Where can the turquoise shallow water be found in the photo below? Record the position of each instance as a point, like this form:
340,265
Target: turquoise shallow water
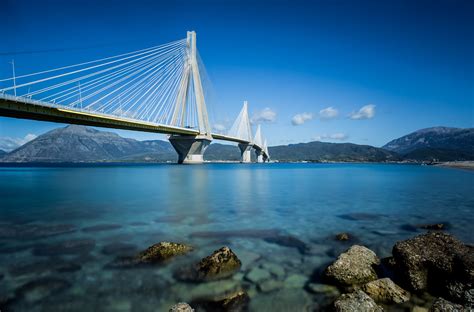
61,227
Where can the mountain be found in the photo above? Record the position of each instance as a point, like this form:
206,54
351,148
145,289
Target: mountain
440,143
2,153
79,144
322,151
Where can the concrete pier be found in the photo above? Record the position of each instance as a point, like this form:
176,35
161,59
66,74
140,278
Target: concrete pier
190,149
245,150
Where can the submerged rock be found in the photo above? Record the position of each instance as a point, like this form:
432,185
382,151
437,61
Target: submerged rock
257,275
386,291
355,266
69,247
343,237
101,227
288,241
41,288
442,305
270,285
34,230
119,249
327,290
356,302
162,251
433,258
360,216
181,307
220,264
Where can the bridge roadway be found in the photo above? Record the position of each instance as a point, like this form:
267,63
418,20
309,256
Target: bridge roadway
24,108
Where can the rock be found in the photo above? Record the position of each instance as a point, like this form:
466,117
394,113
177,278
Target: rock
34,230
69,247
435,227
324,289
442,305
221,263
342,237
460,292
288,241
275,269
360,216
257,275
419,309
270,285
386,291
433,257
181,307
119,249
234,302
356,302
295,281
355,266
41,288
161,252
101,227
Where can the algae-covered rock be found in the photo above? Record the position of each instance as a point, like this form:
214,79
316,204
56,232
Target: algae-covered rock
432,258
237,301
181,307
355,266
162,251
386,291
442,305
220,264
356,302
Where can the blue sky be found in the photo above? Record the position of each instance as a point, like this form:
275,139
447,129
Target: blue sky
340,71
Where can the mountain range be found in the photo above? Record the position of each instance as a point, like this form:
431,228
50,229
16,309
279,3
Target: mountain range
83,144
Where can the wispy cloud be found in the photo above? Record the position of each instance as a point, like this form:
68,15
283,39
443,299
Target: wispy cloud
335,136
266,115
219,127
8,143
300,119
328,113
365,112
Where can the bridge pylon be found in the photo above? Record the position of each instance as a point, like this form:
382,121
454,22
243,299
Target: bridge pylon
191,149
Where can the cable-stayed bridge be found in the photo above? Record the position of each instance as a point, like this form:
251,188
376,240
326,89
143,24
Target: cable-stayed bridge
158,89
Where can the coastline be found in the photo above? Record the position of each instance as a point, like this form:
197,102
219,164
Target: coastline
468,165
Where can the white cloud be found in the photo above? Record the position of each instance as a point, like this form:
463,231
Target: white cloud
265,115
8,144
328,113
334,136
220,127
365,112
300,119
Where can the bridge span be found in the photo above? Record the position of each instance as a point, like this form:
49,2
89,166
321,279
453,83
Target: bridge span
156,90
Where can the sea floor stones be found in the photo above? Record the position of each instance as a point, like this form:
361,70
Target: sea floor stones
288,241
34,230
257,275
355,266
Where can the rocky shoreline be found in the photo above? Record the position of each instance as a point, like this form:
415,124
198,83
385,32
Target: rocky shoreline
434,265
433,271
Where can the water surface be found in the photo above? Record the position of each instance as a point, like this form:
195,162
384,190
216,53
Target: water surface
61,227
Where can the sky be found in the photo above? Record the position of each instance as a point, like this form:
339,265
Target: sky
364,72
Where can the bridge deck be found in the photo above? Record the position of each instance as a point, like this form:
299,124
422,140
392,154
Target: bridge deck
29,109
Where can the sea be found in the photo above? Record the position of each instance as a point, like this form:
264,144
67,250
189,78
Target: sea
62,228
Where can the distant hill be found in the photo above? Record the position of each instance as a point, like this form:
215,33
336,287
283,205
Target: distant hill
78,144
322,151
82,144
437,143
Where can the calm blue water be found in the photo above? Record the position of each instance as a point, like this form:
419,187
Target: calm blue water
206,206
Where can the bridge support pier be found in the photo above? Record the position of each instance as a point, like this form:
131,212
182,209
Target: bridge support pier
245,150
259,154
190,148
